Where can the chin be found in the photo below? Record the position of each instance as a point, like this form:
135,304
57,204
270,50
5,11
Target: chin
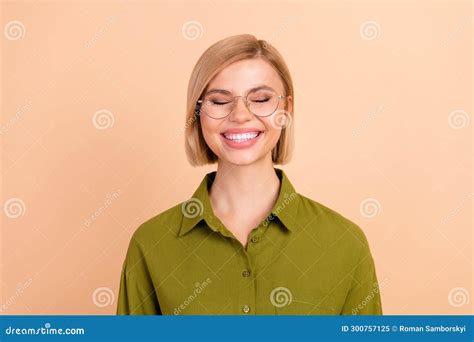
241,160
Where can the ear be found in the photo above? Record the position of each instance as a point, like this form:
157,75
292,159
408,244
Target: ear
289,104
197,109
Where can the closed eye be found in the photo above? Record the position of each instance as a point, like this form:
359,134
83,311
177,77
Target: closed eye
261,101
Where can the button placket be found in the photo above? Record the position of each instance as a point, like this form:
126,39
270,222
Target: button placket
246,285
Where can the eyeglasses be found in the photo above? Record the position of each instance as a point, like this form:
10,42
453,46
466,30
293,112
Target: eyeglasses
260,102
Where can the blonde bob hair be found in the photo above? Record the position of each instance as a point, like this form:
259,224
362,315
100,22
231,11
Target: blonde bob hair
216,58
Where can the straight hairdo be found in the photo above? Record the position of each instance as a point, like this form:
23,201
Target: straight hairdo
216,58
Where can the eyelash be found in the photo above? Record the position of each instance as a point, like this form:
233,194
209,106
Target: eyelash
223,103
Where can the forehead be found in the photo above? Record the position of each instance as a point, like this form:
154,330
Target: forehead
246,74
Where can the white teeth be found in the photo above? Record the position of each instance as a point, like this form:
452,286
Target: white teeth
241,137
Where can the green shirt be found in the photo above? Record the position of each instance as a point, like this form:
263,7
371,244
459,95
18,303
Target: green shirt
303,259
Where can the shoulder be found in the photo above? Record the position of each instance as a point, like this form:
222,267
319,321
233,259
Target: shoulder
329,225
165,224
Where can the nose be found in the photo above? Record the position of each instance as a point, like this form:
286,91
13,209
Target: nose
240,112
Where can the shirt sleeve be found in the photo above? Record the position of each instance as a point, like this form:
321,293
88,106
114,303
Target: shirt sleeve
137,294
363,297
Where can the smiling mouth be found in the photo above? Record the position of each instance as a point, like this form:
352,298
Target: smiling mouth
241,137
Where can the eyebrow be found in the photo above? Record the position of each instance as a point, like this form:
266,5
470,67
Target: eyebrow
223,91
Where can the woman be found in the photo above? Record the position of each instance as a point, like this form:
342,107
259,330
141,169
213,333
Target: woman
246,242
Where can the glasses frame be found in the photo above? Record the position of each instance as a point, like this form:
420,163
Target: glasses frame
234,104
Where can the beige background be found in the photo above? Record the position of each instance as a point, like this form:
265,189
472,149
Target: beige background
383,111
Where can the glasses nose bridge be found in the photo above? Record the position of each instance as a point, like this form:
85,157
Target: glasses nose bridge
236,100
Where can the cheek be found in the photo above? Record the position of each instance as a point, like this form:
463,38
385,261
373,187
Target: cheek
209,131
274,136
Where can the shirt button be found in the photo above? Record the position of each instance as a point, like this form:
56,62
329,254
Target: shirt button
246,273
254,239
246,309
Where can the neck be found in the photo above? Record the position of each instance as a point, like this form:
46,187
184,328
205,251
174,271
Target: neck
245,188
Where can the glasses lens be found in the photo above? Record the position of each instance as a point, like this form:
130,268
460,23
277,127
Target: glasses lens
262,102
217,105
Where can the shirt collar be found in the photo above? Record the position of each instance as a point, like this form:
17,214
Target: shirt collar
198,207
